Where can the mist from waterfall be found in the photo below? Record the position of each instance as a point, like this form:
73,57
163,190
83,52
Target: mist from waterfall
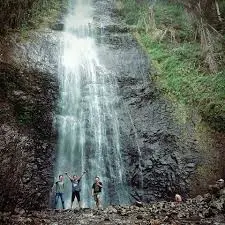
88,126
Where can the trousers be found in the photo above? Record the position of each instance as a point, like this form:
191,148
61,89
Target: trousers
57,196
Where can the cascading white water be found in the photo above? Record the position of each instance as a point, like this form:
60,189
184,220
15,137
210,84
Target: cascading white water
89,135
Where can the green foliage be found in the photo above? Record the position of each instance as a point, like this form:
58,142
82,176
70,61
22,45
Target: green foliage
166,16
135,12
177,54
28,13
181,77
222,7
174,16
131,11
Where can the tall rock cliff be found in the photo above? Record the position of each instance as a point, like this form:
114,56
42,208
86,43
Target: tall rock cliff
162,155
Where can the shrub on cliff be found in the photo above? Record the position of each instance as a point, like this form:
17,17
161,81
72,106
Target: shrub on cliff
26,13
187,48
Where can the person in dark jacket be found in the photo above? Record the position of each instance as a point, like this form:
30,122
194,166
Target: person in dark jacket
75,181
96,191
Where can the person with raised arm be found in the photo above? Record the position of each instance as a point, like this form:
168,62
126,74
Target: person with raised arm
75,181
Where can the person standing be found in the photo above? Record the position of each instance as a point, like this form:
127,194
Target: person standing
96,191
75,180
59,191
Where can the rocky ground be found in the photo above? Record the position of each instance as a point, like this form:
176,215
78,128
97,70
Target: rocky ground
202,210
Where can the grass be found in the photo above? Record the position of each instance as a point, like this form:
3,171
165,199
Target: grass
180,76
176,54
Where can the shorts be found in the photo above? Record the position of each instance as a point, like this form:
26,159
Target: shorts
75,194
96,196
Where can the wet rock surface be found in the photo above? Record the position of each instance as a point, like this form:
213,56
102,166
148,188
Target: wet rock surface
37,51
159,159
193,211
27,137
160,155
28,93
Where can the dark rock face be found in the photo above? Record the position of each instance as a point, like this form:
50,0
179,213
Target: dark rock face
27,134
158,159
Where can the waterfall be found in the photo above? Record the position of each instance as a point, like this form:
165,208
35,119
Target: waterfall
89,133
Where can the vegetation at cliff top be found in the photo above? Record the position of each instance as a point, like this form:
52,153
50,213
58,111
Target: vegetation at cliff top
17,14
186,44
